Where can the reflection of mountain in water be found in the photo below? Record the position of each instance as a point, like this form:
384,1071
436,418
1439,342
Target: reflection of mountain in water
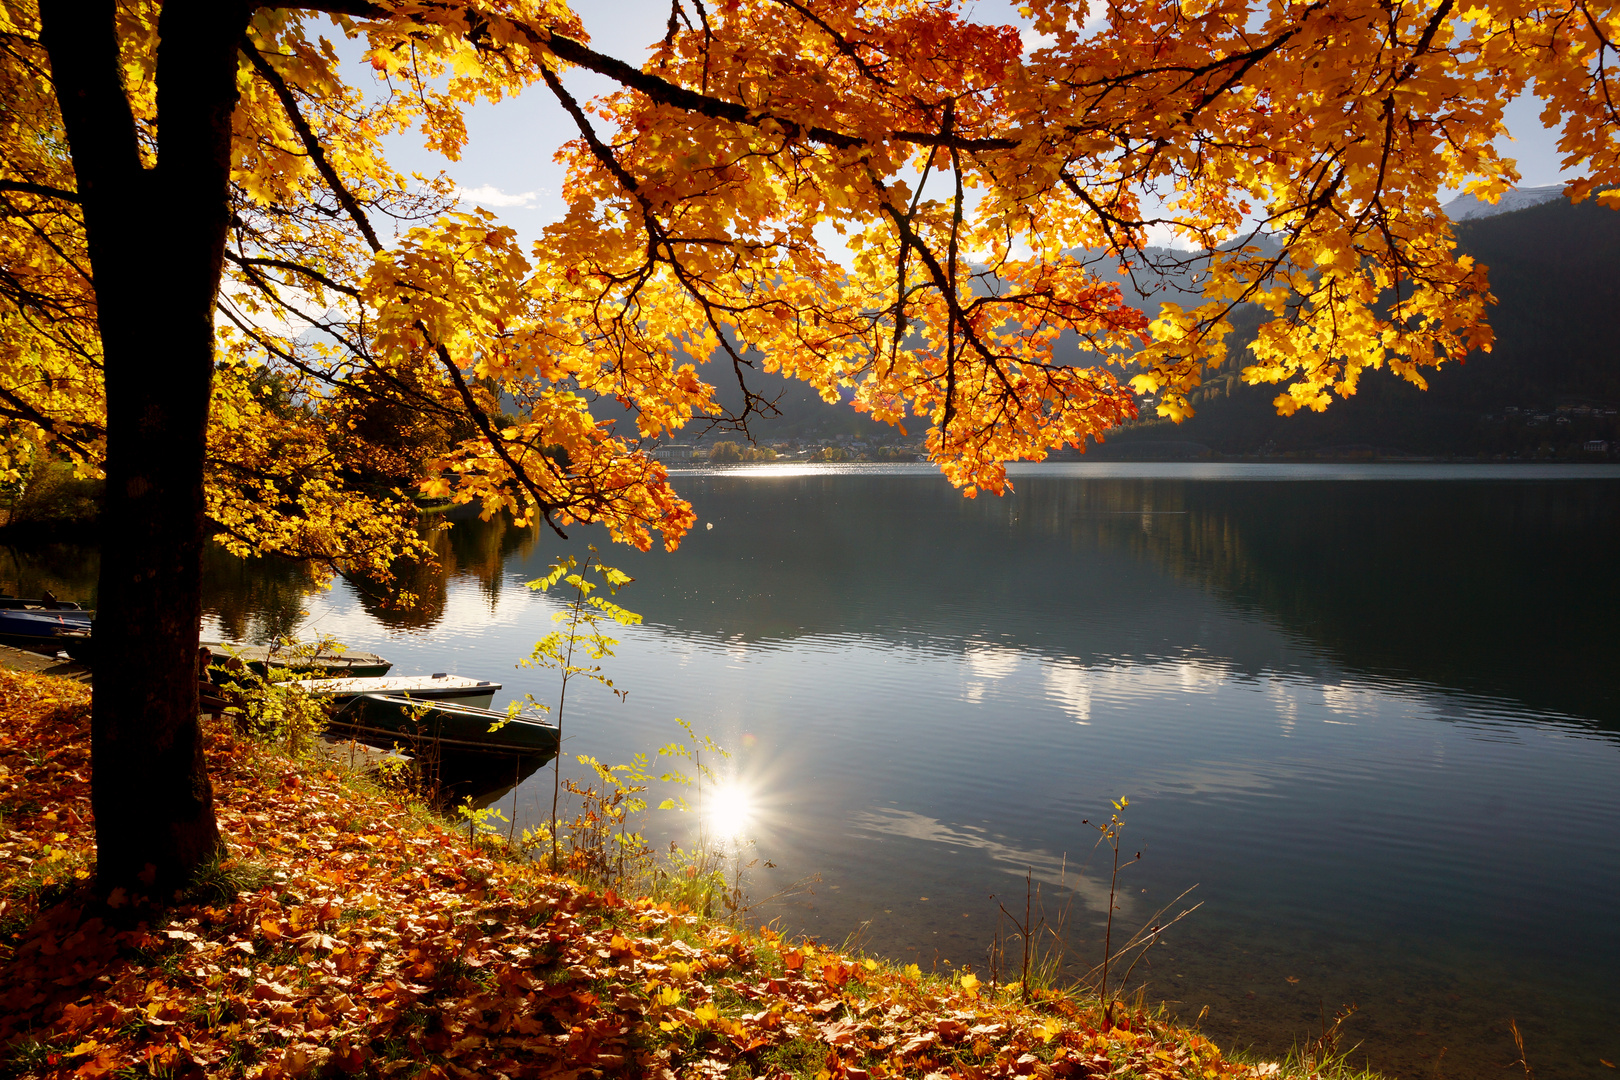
1498,589
1491,588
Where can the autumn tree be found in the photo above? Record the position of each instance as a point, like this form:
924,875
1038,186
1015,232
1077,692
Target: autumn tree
217,290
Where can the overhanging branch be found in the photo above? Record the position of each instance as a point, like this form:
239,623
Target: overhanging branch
39,189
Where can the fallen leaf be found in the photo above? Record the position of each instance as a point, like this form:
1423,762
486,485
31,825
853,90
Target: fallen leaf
840,1032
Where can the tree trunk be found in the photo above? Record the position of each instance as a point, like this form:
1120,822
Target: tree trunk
156,238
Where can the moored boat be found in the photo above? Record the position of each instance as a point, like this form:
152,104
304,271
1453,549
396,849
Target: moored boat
438,687
446,725
321,662
41,629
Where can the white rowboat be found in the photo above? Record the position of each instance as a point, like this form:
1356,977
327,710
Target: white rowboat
456,689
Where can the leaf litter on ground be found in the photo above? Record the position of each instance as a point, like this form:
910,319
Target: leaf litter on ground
349,933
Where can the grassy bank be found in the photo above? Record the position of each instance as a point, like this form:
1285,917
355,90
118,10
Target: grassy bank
349,932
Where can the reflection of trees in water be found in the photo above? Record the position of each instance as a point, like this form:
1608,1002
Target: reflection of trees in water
386,601
480,550
66,569
1500,588
472,549
255,600
260,599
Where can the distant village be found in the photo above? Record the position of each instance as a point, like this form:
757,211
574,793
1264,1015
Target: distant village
1570,432
1583,430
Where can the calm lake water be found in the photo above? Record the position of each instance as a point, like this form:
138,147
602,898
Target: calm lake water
1371,712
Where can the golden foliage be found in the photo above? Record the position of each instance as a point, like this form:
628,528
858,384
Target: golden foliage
373,337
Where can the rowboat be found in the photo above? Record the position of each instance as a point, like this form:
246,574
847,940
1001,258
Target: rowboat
442,725
296,657
40,628
439,687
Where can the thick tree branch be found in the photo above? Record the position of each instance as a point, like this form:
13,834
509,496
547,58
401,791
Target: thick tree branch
39,189
481,420
85,66
843,44
664,92
754,403
20,409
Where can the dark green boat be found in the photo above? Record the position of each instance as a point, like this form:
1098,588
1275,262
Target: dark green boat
225,655
387,719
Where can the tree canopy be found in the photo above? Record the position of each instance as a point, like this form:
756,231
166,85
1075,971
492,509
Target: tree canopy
216,288
694,198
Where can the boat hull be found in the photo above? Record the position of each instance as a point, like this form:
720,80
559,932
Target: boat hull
479,693
41,630
260,659
461,729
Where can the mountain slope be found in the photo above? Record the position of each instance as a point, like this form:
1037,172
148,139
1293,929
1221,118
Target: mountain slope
1465,207
1555,271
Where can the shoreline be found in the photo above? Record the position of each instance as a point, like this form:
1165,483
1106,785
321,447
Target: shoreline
15,659
1098,468
350,932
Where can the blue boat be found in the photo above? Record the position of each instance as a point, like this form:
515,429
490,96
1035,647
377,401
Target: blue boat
31,624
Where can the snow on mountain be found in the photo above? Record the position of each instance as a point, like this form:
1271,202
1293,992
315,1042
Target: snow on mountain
1464,207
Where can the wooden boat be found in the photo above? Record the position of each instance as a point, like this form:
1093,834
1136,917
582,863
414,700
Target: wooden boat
444,725
40,628
260,659
441,686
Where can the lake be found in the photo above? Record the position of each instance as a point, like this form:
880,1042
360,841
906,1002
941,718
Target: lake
1371,712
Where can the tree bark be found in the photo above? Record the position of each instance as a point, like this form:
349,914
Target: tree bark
156,237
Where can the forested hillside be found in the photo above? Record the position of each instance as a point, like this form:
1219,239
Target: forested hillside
1543,392
1548,388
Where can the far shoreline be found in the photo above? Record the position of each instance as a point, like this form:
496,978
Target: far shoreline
1224,469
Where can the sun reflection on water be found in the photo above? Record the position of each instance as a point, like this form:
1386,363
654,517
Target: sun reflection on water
728,811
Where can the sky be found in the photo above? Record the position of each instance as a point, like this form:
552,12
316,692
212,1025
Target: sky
508,167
